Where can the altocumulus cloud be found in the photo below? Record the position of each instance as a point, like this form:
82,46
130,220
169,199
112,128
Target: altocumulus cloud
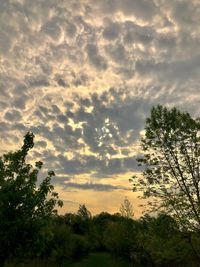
83,76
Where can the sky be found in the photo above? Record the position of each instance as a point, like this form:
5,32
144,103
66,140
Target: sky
82,75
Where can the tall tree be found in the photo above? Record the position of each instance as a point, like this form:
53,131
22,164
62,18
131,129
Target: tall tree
126,209
171,164
84,213
25,208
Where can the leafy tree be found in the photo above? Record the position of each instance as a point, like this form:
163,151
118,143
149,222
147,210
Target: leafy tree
84,213
25,208
171,165
158,237
126,209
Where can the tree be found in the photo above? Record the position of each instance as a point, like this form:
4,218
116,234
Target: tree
25,208
84,213
171,165
82,221
126,209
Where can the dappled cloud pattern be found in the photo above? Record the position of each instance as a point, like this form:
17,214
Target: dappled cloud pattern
83,75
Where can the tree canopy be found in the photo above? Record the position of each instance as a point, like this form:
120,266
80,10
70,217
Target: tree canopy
171,164
25,208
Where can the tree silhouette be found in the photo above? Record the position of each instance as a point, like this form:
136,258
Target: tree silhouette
25,208
84,213
126,209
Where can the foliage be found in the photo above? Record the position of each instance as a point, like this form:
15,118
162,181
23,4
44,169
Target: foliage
67,246
100,259
25,209
126,209
84,213
160,238
149,241
171,165
119,238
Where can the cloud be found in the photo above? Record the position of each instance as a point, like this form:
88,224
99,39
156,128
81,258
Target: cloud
61,82
95,187
52,29
13,115
38,81
112,31
176,70
183,13
142,9
83,77
95,58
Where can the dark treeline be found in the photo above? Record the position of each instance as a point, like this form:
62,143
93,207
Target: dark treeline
148,241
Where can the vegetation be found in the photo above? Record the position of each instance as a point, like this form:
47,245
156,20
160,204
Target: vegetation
126,209
171,164
113,240
34,235
25,209
100,259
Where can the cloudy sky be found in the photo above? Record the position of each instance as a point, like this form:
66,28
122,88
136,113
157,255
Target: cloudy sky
82,75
